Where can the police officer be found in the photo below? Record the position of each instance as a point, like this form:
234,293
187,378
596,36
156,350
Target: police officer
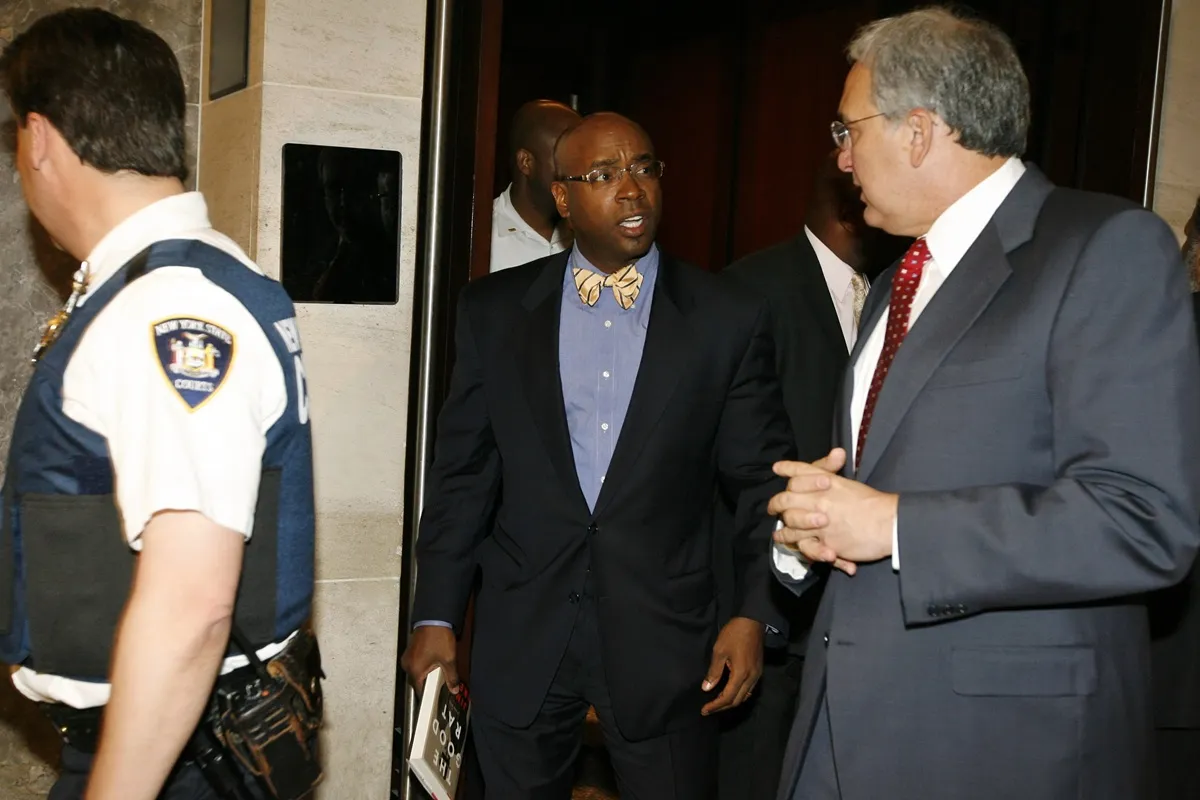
166,417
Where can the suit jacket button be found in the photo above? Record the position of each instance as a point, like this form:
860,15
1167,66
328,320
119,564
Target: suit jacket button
934,610
825,638
593,530
573,597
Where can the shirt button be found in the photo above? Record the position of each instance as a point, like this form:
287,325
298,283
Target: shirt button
605,373
602,479
603,426
608,323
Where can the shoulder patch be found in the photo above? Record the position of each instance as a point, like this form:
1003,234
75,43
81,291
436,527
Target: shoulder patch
195,356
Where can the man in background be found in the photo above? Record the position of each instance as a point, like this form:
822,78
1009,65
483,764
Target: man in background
815,287
525,223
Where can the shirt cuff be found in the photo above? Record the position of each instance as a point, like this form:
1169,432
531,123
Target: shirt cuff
436,623
787,560
896,545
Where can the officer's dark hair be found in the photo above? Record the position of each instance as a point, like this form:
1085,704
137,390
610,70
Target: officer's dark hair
110,86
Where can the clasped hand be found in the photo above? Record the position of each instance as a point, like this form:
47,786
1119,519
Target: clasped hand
832,519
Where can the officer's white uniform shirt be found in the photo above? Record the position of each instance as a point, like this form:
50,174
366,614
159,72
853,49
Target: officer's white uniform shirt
514,241
167,455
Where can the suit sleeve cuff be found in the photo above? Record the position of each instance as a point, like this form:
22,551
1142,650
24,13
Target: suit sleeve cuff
788,561
435,623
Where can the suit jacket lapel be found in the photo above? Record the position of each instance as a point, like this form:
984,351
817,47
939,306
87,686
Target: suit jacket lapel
958,303
537,359
664,355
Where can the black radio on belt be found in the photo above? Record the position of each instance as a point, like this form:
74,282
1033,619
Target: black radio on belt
269,723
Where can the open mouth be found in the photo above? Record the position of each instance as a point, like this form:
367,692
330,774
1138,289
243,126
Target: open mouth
633,226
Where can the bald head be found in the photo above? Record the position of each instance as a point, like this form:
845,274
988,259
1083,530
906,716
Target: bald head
577,141
537,124
535,128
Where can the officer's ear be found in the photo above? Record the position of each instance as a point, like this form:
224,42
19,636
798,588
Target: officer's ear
35,139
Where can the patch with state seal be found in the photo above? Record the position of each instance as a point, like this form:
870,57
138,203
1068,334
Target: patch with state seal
195,356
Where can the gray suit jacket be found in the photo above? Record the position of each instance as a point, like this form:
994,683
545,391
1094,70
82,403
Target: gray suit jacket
1039,424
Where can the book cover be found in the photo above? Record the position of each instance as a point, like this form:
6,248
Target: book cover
439,736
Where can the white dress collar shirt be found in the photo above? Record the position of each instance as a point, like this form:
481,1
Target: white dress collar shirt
514,242
949,239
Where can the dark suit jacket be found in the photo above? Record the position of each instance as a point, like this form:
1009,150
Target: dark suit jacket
503,493
1039,425
810,357
1175,646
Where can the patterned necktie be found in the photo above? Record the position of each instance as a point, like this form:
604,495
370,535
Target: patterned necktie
859,282
626,283
905,281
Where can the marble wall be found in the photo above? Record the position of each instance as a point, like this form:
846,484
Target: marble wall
1177,183
33,279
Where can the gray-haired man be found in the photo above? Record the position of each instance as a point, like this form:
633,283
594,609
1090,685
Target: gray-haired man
1018,424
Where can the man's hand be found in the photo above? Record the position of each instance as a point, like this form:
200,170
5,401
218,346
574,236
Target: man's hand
740,648
810,548
431,646
830,518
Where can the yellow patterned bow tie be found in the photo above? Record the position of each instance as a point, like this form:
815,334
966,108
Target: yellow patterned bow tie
625,282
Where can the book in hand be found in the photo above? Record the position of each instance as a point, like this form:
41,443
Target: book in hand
438,739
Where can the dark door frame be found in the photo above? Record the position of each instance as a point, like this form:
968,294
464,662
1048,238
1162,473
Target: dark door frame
462,57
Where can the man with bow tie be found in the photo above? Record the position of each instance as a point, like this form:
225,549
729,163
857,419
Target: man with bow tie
600,396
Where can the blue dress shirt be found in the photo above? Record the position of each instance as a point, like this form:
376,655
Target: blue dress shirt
599,352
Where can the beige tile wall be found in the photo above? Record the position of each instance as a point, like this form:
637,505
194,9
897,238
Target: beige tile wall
357,364
1178,181
364,46
230,141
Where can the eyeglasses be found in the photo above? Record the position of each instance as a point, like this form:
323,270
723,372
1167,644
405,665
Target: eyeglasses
645,170
841,130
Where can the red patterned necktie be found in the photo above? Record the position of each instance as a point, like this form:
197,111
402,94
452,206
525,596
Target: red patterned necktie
905,281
